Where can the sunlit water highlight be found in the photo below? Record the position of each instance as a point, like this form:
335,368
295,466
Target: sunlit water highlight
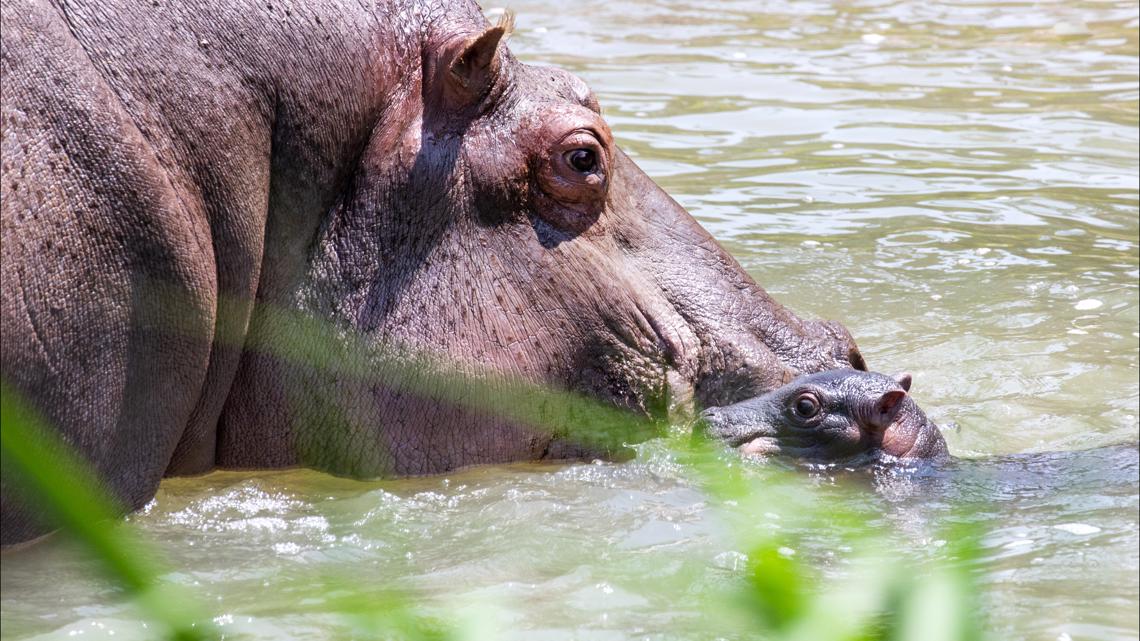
956,182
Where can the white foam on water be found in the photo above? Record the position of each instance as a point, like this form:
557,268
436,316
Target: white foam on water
1018,543
1079,529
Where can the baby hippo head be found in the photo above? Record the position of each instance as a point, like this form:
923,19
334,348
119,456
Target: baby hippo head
834,415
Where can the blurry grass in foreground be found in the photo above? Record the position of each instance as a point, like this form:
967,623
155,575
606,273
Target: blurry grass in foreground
51,477
779,597
880,596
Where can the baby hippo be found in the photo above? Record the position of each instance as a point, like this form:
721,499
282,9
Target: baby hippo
832,416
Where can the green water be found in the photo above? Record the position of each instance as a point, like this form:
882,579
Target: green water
956,182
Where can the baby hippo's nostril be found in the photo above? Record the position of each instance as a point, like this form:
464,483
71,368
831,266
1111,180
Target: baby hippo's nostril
713,422
712,415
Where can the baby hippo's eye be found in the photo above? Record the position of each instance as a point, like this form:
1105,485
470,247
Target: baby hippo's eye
583,161
806,405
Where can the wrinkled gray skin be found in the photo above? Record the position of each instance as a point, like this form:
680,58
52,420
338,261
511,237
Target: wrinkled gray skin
176,173
832,416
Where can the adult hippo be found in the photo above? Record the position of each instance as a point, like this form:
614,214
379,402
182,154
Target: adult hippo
179,179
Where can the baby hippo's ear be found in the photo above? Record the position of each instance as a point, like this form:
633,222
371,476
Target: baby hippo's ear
903,380
886,408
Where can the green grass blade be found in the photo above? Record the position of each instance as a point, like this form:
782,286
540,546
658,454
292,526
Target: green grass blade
49,475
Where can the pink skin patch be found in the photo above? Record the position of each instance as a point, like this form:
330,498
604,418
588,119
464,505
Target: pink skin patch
763,446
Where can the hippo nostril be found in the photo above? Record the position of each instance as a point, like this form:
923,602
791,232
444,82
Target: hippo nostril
711,414
709,422
713,423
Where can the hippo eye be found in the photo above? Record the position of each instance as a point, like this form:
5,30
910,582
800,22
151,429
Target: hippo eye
572,174
806,405
583,161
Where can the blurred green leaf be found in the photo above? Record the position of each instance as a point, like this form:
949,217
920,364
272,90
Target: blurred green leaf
942,605
50,476
777,587
390,615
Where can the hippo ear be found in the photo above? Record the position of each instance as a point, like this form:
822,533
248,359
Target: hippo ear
903,380
472,71
886,408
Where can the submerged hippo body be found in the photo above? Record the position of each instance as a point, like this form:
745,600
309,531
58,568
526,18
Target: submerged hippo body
183,181
835,415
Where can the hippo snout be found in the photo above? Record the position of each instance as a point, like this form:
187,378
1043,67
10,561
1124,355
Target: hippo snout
736,424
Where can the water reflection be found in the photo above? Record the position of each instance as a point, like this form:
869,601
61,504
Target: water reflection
612,544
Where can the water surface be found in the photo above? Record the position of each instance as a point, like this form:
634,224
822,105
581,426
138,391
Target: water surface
956,182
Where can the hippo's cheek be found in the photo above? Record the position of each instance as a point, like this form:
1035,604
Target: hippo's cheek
912,439
915,442
897,442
